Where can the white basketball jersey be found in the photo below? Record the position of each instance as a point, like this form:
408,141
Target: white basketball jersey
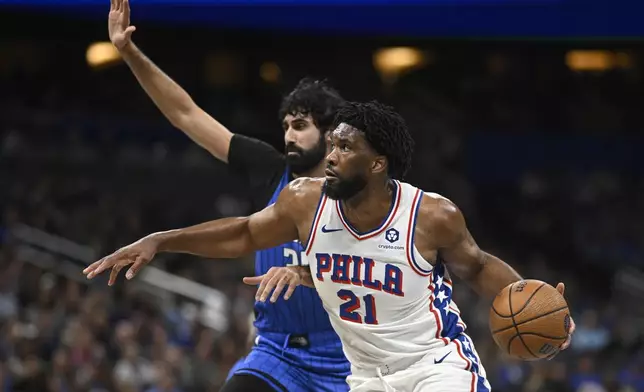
384,300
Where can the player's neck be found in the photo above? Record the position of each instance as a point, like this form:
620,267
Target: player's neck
366,210
316,172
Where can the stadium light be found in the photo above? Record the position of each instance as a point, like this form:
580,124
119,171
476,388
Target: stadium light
597,60
391,62
101,53
270,72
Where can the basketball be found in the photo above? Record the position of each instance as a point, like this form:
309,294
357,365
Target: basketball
529,320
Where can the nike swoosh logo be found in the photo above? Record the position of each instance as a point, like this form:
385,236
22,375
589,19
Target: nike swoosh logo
442,359
325,230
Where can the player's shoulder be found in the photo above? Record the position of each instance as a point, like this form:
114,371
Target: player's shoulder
302,192
436,205
304,187
439,215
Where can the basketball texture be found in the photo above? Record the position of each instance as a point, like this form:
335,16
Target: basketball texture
529,320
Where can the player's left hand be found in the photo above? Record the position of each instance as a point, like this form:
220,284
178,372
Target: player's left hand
561,288
276,278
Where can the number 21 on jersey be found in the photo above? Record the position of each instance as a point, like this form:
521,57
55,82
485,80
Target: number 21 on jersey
349,309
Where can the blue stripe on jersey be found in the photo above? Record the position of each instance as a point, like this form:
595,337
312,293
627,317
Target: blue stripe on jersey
451,325
303,312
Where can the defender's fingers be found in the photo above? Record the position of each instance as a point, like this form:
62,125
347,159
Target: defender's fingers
126,9
279,288
291,288
270,285
253,280
260,289
128,32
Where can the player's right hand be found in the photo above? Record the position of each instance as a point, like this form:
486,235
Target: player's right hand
119,23
137,254
276,278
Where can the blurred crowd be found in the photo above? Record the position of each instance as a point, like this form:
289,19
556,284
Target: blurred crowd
86,157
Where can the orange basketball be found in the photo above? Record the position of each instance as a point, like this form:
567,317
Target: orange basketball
529,320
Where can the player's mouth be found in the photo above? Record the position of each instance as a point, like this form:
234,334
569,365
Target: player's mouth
330,174
292,150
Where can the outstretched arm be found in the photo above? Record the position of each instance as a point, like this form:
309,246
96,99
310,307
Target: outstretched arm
173,101
222,238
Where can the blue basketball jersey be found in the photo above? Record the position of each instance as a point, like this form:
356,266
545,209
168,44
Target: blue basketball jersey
303,312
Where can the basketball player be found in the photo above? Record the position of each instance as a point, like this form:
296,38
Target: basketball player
297,347
379,249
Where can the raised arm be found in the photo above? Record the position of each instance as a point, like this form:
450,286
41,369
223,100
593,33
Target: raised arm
222,238
173,101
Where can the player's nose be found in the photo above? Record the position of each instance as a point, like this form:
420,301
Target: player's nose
290,136
332,158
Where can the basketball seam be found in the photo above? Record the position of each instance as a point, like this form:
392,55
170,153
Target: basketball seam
544,336
508,349
499,314
522,308
529,299
515,325
531,319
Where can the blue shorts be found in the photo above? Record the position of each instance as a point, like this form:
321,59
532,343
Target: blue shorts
321,366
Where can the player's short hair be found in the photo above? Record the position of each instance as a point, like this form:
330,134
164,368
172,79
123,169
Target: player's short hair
315,98
385,130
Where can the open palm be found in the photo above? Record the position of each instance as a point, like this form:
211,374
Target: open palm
119,23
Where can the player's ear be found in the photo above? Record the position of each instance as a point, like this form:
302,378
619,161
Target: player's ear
327,139
327,136
379,164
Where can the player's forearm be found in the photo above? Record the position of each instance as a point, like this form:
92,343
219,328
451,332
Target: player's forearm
221,238
305,275
177,106
170,98
492,276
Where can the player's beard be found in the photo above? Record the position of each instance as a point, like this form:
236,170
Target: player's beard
344,188
305,160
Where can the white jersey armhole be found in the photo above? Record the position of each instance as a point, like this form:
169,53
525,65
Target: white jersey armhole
416,261
319,211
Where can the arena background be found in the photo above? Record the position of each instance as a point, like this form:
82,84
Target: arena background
528,114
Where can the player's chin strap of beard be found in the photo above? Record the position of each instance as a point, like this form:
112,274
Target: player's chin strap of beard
388,388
